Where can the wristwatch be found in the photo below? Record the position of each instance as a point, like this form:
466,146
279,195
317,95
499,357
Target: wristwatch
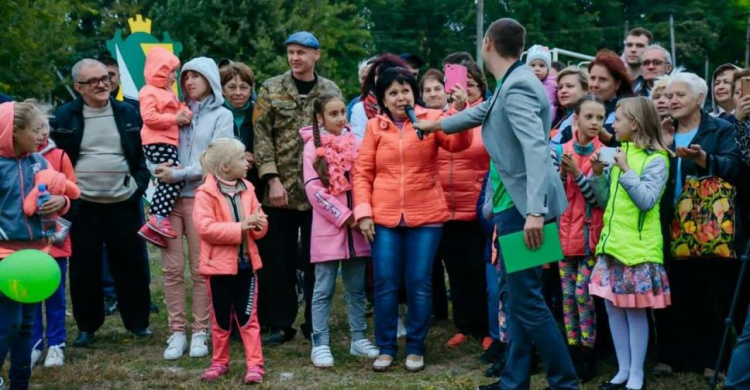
534,215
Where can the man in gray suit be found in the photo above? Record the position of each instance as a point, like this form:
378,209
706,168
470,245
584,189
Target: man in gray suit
515,130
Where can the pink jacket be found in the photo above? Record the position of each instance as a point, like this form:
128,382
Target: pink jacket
159,105
331,239
550,85
220,235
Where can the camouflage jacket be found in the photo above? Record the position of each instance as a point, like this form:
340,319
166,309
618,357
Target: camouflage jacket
278,115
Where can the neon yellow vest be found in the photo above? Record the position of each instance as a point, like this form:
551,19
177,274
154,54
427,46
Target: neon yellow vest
631,235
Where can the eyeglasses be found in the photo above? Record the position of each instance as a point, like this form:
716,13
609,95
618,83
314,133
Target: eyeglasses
653,62
94,82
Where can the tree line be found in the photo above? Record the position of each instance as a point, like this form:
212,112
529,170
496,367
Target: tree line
43,38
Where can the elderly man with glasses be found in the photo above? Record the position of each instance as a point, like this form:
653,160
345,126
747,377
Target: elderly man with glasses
655,61
102,138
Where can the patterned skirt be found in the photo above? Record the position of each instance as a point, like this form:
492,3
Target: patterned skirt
640,286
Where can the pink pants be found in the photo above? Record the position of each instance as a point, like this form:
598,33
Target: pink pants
173,267
234,300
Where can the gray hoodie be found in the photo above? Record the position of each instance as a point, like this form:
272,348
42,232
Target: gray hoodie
211,120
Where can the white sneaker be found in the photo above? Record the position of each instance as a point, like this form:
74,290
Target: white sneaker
321,356
364,348
55,356
401,332
199,344
417,364
36,354
177,345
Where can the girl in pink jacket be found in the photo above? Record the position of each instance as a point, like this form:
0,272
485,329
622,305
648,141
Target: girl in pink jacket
162,115
229,219
328,159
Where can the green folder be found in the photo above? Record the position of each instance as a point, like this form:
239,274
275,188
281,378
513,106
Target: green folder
518,257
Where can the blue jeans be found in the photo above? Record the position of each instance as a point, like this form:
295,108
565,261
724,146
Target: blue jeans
493,300
529,320
403,253
16,321
353,274
55,312
738,375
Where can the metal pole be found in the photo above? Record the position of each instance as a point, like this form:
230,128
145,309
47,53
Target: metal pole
671,37
706,75
480,30
625,32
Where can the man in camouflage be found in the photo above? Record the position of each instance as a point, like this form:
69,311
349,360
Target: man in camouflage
284,106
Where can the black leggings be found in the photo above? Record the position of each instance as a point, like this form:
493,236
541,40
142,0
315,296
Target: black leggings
166,193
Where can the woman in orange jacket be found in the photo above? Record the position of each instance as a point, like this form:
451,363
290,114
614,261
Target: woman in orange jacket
229,219
400,208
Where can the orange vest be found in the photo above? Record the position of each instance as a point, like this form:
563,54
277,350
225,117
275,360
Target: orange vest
580,223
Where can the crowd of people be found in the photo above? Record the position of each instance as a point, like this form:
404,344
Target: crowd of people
410,180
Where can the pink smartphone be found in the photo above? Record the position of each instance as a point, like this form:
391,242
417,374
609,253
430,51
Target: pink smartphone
455,74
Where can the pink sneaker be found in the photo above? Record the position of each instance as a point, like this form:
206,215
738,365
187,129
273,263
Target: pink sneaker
214,372
162,226
254,376
149,235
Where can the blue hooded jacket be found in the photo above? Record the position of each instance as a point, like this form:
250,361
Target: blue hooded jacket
18,181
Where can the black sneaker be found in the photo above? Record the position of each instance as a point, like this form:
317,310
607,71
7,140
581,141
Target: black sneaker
274,338
84,339
110,306
493,353
278,337
495,369
492,386
154,308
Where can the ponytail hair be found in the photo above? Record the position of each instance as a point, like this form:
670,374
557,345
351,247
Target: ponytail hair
319,105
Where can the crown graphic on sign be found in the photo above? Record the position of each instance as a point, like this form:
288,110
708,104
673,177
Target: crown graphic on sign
130,54
139,24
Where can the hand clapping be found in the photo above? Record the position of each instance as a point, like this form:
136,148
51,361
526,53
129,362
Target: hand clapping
256,221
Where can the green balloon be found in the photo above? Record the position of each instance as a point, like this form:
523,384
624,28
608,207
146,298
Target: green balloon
29,276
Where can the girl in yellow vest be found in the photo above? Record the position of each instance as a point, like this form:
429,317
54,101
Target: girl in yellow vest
629,274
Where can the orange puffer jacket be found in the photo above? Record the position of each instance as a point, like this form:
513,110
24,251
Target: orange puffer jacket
396,173
220,234
462,173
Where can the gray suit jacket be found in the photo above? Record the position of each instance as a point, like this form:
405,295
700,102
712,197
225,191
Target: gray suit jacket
515,130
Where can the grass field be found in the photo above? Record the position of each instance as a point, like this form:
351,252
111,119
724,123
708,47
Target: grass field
117,361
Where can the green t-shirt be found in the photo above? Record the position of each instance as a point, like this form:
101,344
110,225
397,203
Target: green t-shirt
501,200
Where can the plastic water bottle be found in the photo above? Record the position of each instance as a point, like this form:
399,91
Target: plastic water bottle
49,221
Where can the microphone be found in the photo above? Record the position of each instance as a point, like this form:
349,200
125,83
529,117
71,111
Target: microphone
413,118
